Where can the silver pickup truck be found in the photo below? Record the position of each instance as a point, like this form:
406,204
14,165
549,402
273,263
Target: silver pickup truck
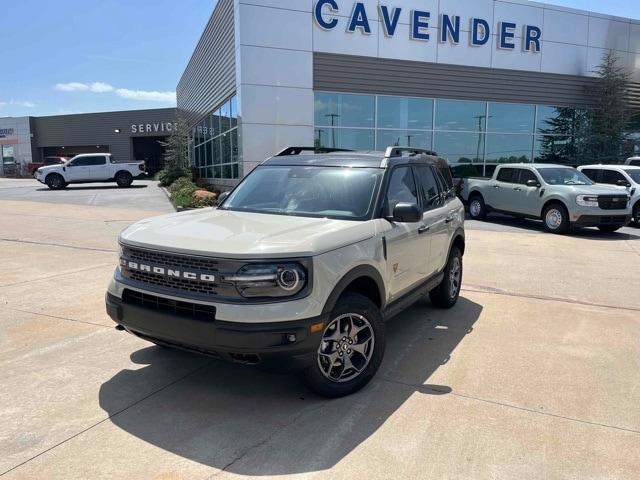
561,196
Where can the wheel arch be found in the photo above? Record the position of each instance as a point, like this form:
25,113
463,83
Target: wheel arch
551,201
457,241
363,279
54,173
122,171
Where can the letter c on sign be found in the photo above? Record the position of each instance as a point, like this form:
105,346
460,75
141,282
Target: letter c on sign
317,14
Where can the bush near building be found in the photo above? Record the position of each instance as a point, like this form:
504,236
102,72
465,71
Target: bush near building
186,194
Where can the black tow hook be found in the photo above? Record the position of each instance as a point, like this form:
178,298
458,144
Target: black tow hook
120,328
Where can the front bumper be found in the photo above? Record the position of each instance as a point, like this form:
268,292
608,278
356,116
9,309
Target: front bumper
281,346
602,220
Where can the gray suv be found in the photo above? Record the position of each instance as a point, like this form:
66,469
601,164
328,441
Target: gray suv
300,266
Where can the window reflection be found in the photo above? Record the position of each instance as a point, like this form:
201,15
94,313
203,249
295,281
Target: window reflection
215,142
457,147
506,117
344,110
408,138
509,148
405,113
349,138
460,115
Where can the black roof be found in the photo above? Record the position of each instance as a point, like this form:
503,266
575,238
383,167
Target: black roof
366,159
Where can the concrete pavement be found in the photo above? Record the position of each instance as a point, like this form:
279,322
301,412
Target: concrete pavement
534,374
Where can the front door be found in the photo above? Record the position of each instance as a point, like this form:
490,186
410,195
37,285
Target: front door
435,217
407,245
506,196
78,170
528,200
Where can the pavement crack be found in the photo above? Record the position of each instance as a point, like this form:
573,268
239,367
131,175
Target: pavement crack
56,317
498,291
61,245
170,384
267,439
70,272
426,389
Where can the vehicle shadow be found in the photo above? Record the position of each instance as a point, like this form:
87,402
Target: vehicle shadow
254,423
533,225
99,187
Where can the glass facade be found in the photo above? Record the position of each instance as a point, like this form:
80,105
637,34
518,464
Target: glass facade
473,136
214,143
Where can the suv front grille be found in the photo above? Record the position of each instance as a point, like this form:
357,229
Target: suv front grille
612,202
158,264
172,307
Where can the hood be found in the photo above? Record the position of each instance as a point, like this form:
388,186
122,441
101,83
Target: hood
223,233
596,189
48,168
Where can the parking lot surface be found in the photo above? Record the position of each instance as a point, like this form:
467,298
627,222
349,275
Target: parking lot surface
534,374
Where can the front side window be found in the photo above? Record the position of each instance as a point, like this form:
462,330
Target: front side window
325,192
592,173
402,189
81,162
526,175
428,188
634,174
563,176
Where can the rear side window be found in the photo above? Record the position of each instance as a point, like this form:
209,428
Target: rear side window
611,177
429,192
592,173
635,163
402,189
526,175
506,175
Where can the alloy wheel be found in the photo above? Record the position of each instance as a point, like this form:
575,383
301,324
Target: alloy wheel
455,275
475,208
346,347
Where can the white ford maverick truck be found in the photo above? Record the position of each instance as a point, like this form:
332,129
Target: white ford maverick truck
88,168
300,266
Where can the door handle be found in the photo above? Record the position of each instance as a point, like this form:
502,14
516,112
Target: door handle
423,229
517,189
496,186
448,219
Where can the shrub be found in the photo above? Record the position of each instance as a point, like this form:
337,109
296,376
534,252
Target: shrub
182,183
183,194
167,176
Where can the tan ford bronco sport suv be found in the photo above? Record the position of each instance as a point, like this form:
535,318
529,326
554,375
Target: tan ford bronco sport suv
299,266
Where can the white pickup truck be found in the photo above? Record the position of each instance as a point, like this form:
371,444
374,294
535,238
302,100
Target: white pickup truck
87,168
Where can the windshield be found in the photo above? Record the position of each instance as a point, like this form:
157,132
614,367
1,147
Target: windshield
331,192
564,176
633,173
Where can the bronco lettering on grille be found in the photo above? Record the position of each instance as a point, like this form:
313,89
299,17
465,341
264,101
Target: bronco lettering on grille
167,272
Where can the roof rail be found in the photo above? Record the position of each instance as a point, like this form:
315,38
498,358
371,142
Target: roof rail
392,152
298,150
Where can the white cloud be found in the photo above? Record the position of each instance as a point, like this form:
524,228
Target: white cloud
72,87
95,87
101,87
18,103
151,96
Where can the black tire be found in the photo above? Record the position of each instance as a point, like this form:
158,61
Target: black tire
477,208
351,311
555,218
446,294
124,179
609,228
55,181
636,214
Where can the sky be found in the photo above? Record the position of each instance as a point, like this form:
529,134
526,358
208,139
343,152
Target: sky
77,56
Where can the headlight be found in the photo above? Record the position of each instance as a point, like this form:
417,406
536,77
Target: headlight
587,200
269,280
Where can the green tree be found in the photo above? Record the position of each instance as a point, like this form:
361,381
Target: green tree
609,118
176,155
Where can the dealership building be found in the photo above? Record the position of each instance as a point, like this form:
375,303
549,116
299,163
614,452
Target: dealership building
127,135
478,81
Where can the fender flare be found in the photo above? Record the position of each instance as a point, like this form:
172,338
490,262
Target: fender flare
459,233
353,274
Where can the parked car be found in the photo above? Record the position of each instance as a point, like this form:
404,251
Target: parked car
87,168
633,161
625,177
561,196
46,161
299,267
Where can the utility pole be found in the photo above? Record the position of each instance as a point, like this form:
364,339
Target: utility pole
333,117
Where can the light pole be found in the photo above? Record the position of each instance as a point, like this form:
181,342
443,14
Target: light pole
333,117
480,117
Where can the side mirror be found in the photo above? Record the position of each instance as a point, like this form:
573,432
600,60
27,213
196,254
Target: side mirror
623,183
533,183
223,196
406,213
